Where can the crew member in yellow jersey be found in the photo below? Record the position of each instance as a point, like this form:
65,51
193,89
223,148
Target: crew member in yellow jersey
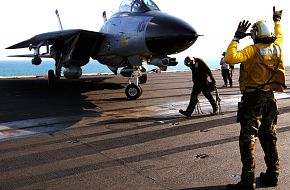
262,72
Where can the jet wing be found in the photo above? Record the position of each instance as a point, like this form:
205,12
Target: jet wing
44,55
75,44
49,36
52,38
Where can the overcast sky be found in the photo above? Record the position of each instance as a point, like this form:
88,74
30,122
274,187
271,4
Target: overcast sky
216,20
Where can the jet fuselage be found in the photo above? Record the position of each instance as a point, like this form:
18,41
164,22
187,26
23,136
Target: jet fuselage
148,34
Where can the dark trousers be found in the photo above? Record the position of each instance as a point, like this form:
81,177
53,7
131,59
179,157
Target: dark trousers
227,76
259,119
196,90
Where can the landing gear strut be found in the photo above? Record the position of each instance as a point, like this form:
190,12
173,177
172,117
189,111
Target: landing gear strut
133,90
55,75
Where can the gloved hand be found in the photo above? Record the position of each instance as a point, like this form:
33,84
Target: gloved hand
277,15
242,29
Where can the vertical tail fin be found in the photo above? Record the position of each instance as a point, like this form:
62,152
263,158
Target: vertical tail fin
59,21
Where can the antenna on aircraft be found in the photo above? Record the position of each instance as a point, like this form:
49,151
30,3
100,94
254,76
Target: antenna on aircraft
59,22
105,16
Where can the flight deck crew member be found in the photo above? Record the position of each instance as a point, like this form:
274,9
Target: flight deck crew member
200,73
262,71
225,68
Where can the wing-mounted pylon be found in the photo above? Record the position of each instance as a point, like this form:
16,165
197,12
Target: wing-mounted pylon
162,62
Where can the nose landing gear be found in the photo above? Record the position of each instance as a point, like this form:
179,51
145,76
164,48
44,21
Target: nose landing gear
133,90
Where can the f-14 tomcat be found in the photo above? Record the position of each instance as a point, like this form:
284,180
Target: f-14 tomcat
139,33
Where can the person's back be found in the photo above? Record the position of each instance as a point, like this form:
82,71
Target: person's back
262,72
200,71
266,75
223,64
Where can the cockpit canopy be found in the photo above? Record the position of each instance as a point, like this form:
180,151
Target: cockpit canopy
137,6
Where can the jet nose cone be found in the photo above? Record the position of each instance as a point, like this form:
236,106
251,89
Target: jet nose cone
168,35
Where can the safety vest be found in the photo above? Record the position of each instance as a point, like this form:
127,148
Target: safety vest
265,71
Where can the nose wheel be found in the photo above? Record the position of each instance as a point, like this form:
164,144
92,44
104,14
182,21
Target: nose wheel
133,91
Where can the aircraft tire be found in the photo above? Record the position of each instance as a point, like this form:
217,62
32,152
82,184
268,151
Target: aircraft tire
133,91
51,78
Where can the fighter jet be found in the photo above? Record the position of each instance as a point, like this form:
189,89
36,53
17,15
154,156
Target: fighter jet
138,34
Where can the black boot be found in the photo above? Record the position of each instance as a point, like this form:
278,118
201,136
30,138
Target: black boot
184,113
240,186
269,180
215,110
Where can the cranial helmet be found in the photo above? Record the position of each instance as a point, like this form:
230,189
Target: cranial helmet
189,60
261,29
262,32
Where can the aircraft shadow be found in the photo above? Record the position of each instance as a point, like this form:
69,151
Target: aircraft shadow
28,99
220,187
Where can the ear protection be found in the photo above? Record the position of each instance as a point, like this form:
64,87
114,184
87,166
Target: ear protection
254,31
188,61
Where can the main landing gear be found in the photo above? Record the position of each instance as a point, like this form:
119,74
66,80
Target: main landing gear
51,78
54,75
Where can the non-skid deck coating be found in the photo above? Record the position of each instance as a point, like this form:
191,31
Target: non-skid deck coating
85,134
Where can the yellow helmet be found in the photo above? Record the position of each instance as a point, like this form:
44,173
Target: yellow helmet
261,29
